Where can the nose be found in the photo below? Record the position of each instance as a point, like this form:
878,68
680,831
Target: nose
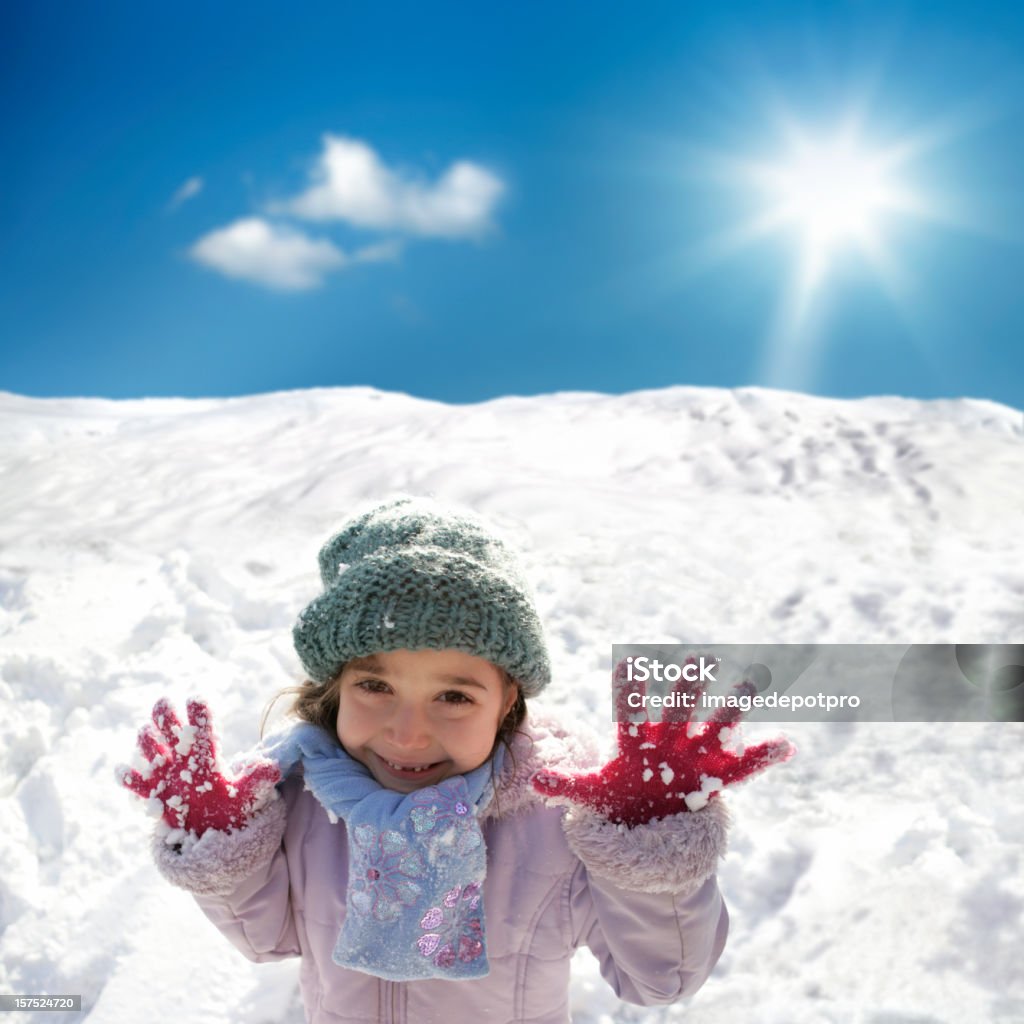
408,727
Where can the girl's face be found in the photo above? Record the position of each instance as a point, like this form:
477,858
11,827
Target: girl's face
417,717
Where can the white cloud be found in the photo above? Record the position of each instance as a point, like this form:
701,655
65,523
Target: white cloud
351,183
190,188
380,252
253,249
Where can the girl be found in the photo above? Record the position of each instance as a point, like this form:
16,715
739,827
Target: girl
429,849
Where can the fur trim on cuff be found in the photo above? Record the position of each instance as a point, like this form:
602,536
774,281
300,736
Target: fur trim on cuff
215,863
674,854
541,743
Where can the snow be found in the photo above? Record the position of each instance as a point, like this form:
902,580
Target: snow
699,798
186,737
164,548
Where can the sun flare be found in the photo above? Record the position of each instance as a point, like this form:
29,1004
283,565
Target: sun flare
831,193
834,194
835,199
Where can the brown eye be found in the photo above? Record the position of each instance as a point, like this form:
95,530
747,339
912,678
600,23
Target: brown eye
455,697
372,686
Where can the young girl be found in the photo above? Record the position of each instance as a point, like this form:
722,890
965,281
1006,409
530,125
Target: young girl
430,850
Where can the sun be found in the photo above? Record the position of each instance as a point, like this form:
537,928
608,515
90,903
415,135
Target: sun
835,194
829,203
835,198
832,193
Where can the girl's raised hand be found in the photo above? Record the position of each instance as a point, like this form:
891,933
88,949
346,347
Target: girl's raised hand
667,767
185,776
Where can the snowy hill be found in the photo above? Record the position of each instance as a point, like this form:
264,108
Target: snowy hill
165,547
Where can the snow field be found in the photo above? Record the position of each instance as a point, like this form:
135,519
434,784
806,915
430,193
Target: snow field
164,547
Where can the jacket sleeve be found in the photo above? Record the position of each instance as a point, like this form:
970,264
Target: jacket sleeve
646,902
241,882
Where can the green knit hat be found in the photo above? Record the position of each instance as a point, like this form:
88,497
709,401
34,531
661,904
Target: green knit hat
411,574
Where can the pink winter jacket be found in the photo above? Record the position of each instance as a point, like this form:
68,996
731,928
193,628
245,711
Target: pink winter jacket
644,900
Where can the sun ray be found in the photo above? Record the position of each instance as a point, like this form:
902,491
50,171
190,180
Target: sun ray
840,197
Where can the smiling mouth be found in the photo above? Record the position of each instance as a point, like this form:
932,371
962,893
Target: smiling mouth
391,764
414,769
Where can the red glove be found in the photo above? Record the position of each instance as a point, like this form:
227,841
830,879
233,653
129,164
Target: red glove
185,775
665,767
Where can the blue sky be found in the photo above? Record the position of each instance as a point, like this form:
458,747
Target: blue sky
460,203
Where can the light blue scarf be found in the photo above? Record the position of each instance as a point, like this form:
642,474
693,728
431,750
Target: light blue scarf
416,862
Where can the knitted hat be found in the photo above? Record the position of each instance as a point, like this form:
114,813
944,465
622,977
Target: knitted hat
411,574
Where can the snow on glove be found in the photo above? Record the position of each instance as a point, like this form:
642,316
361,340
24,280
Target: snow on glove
665,767
184,775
